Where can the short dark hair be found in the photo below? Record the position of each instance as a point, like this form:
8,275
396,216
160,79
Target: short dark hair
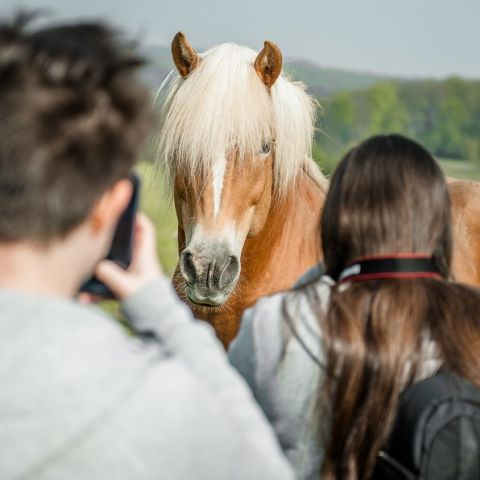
74,118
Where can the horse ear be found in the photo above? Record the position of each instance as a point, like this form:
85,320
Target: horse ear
268,63
185,57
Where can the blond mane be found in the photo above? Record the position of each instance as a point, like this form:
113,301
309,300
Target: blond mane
223,106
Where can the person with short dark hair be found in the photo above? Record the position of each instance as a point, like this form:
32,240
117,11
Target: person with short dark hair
79,397
328,360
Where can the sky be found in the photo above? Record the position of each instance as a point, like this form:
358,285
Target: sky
409,38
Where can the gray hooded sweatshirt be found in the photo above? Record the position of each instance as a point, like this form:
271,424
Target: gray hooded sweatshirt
81,399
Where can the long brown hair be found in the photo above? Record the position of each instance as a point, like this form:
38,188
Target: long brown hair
388,195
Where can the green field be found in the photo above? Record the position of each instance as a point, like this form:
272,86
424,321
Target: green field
459,169
159,207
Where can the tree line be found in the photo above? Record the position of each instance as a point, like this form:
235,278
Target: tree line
442,115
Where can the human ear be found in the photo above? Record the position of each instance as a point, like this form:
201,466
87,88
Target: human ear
106,212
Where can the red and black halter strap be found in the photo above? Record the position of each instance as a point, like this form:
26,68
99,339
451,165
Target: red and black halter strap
397,265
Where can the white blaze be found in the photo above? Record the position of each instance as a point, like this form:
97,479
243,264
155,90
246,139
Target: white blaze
218,177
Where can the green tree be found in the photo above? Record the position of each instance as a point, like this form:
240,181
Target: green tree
340,117
326,161
386,113
472,150
453,119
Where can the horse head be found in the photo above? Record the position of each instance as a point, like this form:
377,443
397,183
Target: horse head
234,135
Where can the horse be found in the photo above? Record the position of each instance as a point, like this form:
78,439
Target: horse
235,144
465,205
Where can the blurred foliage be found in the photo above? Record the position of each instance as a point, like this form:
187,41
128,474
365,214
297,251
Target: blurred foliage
442,115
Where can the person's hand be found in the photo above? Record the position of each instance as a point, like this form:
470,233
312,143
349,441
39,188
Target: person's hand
144,268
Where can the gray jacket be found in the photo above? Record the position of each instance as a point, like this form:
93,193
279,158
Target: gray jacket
80,399
278,361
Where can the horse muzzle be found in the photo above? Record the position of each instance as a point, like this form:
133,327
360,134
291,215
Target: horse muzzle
209,277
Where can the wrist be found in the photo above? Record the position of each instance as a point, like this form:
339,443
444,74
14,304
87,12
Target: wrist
138,284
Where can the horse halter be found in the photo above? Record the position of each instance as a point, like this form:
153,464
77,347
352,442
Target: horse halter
396,265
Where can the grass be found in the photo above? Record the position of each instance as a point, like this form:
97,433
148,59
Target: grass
159,208
460,169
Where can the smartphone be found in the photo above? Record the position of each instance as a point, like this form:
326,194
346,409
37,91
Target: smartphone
122,243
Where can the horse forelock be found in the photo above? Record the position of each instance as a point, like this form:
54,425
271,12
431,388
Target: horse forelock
222,107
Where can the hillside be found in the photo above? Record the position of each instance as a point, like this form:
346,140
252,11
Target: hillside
322,82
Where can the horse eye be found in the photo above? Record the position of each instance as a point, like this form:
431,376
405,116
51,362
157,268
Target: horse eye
265,148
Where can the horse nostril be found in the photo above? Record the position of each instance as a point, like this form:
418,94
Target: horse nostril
187,266
229,272
208,273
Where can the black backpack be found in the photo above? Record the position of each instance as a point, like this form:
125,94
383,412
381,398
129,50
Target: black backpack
436,435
